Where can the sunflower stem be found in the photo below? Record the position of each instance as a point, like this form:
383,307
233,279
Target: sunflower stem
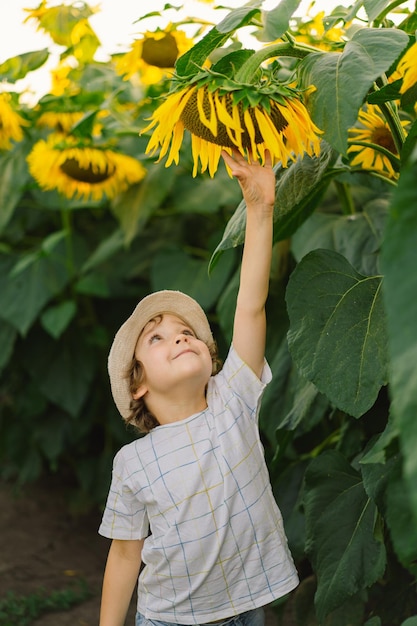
394,123
390,113
345,197
376,174
394,160
247,72
67,227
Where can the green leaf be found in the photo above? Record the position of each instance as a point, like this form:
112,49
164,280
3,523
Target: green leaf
291,400
377,452
57,318
191,62
399,263
337,334
357,237
107,248
204,194
400,519
93,285
134,207
277,20
409,144
17,67
27,286
374,8
67,370
343,80
175,269
13,178
298,190
238,17
340,523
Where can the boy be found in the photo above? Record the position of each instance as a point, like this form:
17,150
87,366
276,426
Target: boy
217,551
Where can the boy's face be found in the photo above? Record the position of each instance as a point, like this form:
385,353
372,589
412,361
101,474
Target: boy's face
172,357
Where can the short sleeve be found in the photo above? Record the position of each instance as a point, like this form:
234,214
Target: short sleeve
238,383
124,516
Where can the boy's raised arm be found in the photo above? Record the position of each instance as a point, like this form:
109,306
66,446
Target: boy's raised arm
258,186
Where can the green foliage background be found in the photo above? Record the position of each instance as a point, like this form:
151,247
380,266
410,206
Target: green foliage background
339,421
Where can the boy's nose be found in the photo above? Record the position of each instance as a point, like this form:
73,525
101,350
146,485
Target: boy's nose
181,338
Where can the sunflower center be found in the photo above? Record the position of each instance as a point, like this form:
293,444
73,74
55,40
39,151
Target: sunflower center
192,122
382,137
160,52
73,169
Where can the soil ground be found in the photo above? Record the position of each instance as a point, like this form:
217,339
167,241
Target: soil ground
43,547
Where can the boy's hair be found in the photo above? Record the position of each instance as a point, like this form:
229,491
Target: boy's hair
140,416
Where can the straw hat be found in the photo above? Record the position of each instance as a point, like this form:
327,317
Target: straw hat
124,344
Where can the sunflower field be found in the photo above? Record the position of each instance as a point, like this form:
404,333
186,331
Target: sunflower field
111,187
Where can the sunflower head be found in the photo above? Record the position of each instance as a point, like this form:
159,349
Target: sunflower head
82,171
11,123
407,69
376,143
247,118
153,56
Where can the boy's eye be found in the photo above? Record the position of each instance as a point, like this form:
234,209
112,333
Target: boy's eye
154,338
188,332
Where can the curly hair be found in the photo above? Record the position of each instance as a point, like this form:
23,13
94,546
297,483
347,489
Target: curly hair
140,416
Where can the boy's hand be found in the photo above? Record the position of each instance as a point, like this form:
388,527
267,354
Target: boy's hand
256,181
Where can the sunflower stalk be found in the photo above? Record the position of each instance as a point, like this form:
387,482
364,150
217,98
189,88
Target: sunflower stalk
368,144
248,71
394,123
67,227
345,197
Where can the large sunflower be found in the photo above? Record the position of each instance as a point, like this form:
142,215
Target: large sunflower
407,68
153,56
84,172
245,119
10,123
374,131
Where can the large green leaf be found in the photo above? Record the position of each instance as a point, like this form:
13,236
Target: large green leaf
13,177
399,262
277,20
17,67
400,519
298,189
340,523
373,8
191,62
357,237
343,80
26,286
337,334
67,369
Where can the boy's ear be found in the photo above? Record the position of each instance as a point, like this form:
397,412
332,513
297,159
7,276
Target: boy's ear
140,392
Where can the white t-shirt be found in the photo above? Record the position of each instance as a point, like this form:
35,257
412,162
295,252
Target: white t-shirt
217,545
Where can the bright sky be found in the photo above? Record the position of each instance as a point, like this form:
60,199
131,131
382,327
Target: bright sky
114,24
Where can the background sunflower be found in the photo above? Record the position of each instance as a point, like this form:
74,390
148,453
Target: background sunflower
82,171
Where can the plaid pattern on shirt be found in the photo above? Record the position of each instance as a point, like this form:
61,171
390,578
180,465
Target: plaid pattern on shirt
218,546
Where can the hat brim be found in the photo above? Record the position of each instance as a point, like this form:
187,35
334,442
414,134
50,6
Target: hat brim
125,340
